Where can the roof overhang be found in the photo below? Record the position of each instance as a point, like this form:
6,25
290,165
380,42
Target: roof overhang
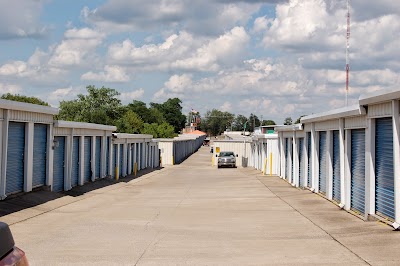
131,136
355,110
81,125
28,107
295,127
379,96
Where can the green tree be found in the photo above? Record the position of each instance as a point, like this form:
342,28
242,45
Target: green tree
238,123
163,130
130,122
268,123
100,106
22,98
298,119
288,121
172,112
254,122
216,122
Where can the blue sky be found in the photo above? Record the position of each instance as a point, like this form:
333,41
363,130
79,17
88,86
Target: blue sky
272,58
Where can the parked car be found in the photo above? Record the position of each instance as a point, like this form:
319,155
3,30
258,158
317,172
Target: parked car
10,255
226,158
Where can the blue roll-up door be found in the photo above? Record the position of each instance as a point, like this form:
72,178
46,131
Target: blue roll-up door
137,155
15,158
40,155
88,159
286,157
98,158
309,159
58,164
75,161
142,152
322,162
301,162
336,166
108,156
121,158
358,170
114,160
384,170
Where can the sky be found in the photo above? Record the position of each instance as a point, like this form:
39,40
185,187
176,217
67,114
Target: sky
273,58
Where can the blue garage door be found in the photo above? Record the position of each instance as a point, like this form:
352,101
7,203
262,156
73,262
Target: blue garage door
114,160
358,170
88,159
121,158
301,162
40,155
137,155
58,164
15,158
286,157
142,152
98,157
309,159
336,166
384,172
322,162
75,161
108,156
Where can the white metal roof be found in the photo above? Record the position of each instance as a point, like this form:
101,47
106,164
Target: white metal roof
355,110
131,136
28,107
72,124
379,96
295,127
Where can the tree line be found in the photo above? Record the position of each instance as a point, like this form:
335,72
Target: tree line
102,106
162,120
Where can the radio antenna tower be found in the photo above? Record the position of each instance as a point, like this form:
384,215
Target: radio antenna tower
347,51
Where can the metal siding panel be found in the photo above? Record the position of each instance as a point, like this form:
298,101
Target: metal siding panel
322,162
327,125
75,161
336,167
301,162
15,158
384,169
355,122
88,158
98,158
380,110
25,116
358,170
59,163
309,159
40,155
121,158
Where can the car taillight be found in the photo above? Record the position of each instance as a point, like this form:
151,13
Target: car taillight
15,258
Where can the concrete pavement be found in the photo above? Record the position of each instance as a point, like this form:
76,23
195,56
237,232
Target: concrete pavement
195,214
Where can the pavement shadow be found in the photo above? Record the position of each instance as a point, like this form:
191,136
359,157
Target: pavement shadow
21,201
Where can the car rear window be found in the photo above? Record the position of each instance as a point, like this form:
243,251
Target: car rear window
225,154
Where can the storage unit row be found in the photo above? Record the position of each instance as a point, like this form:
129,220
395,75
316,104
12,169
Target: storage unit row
37,151
176,150
349,155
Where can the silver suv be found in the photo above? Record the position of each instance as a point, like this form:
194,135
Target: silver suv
226,158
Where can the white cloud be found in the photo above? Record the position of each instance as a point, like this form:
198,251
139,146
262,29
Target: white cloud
78,44
226,107
206,17
261,24
9,88
63,94
175,86
183,52
132,95
110,74
21,19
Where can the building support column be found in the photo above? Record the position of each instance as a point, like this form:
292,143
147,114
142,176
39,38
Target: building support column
370,168
329,168
347,176
396,159
343,165
28,160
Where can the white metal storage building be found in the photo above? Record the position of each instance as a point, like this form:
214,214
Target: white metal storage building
349,155
25,143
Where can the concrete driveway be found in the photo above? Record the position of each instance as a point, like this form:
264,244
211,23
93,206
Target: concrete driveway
195,214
